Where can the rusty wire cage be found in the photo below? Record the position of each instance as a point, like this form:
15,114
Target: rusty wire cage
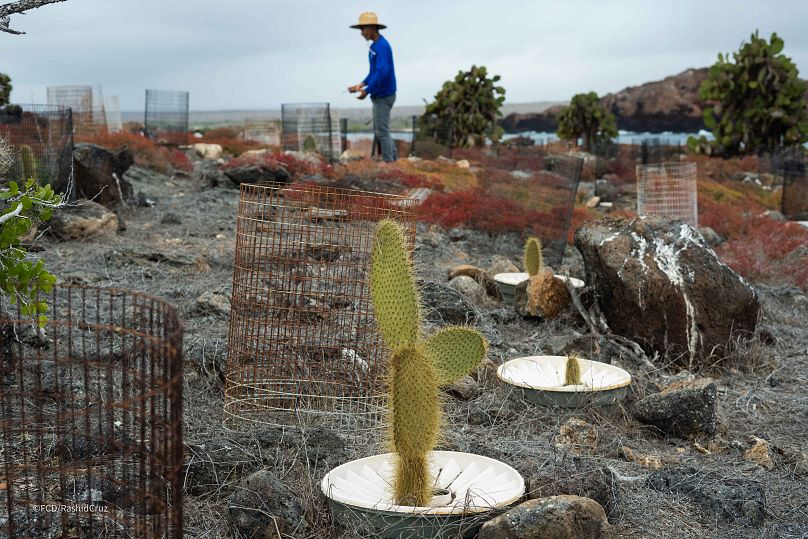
91,418
166,119
307,127
668,190
543,187
303,348
87,105
41,140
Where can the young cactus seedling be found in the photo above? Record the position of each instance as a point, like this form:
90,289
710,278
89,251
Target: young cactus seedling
418,366
534,261
572,374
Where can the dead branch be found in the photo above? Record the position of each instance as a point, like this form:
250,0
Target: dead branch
19,7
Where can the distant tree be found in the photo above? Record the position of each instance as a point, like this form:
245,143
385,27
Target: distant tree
586,118
21,6
5,89
754,102
465,110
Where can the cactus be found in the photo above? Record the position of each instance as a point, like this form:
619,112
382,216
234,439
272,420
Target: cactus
309,144
465,110
755,100
572,374
588,119
28,163
534,261
418,366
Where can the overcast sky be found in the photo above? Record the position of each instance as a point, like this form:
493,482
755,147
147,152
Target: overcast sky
257,54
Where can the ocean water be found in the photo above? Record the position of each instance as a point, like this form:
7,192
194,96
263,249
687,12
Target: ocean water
623,137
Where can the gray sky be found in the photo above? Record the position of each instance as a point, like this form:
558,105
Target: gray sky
257,54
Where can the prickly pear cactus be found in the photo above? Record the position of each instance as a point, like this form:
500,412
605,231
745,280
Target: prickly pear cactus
28,162
572,374
534,260
418,367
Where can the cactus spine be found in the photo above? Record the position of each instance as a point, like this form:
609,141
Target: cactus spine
418,367
534,261
28,162
572,374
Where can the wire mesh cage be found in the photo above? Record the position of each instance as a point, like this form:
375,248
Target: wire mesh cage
307,127
791,166
542,187
166,118
41,140
112,112
357,135
91,418
303,348
262,130
87,105
668,190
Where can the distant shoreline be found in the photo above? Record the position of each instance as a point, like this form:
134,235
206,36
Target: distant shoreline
210,118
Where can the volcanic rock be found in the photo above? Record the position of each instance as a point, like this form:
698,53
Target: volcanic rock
682,409
86,218
99,174
659,283
554,517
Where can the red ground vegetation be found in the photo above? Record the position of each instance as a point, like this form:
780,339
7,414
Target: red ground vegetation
147,153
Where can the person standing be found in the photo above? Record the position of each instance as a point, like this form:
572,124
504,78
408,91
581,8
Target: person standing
380,83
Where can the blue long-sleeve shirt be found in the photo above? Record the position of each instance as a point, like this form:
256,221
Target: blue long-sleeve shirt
381,81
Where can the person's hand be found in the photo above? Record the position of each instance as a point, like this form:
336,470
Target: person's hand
362,94
354,88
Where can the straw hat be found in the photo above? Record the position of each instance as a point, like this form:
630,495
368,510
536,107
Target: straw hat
368,18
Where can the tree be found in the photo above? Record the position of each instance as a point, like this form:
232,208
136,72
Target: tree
756,101
465,110
586,118
5,89
21,6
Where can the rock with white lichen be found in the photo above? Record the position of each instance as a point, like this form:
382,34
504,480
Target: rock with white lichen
658,282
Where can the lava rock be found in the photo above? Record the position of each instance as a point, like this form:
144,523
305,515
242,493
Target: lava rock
213,303
258,174
578,477
681,409
85,219
465,388
556,517
99,174
468,287
731,499
260,503
657,282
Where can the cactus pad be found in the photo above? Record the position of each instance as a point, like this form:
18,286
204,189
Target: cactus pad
392,287
455,352
534,261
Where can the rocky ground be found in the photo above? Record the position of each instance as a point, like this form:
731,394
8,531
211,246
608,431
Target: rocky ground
742,472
